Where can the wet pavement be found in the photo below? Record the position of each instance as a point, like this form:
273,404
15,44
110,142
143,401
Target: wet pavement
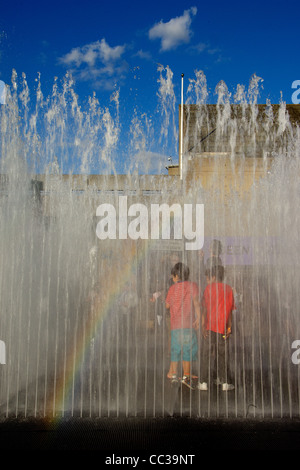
145,437
168,419
132,408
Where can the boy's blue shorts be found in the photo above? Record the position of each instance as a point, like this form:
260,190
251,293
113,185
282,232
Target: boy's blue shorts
184,345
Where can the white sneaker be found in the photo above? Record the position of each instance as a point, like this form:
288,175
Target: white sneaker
226,387
202,386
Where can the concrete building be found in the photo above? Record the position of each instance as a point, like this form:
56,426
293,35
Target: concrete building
238,143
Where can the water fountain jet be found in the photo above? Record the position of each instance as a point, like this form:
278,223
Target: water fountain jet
82,337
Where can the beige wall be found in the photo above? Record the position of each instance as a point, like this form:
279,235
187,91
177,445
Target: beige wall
220,171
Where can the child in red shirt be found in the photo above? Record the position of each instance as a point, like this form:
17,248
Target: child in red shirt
217,306
183,301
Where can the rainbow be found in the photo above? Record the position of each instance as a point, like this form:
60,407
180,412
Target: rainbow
58,402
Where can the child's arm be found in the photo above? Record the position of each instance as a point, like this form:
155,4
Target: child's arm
198,312
228,325
203,319
167,300
229,319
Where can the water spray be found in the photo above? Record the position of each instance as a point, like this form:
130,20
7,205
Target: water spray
181,128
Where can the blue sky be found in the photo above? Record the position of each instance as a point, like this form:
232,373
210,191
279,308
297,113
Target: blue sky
118,45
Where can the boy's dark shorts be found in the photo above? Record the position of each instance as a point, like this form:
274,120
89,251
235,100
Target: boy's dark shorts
184,345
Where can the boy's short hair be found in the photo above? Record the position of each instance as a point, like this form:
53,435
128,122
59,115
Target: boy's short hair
181,270
216,247
216,271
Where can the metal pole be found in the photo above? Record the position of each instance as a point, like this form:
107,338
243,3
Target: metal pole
181,129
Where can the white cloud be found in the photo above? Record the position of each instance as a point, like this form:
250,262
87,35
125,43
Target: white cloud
198,48
90,53
143,55
97,62
175,32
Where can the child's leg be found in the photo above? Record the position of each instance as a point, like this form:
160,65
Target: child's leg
175,354
222,358
189,349
206,358
186,365
173,369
